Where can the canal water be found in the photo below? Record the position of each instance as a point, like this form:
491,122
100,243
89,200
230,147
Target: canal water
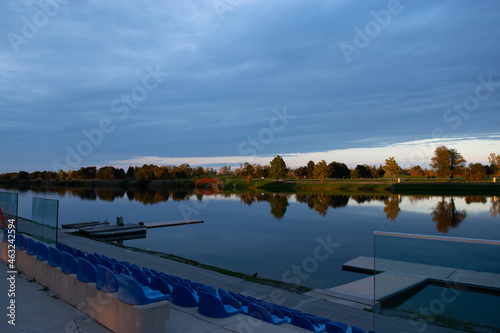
296,238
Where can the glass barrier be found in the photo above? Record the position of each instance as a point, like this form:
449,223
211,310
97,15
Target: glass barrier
423,282
44,220
8,207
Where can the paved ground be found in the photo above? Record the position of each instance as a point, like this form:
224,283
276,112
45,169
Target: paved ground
38,311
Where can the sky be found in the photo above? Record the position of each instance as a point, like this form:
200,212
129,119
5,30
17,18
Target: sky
223,82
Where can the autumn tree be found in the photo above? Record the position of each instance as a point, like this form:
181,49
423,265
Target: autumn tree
278,168
391,168
446,162
416,171
338,170
476,171
494,164
321,170
310,169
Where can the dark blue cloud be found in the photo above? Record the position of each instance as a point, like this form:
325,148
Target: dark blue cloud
225,76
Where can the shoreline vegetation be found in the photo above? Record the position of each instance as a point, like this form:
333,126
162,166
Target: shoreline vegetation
209,185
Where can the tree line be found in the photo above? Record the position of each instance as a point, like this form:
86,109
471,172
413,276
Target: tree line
446,163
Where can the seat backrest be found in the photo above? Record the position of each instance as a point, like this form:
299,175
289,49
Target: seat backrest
42,251
54,257
158,283
93,259
120,268
106,280
107,263
71,251
211,306
183,296
303,322
21,242
80,254
31,246
85,271
130,291
139,276
68,263
336,327
61,247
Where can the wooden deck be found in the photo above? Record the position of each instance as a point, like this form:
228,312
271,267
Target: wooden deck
446,275
394,277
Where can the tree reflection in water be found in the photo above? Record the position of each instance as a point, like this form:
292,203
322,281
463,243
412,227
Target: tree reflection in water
278,203
391,207
495,207
447,216
444,213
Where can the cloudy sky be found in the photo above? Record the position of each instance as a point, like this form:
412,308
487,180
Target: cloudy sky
216,82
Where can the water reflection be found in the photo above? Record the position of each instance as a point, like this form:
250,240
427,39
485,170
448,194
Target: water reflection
444,213
447,216
391,207
495,207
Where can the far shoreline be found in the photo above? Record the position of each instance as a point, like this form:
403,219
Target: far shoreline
231,184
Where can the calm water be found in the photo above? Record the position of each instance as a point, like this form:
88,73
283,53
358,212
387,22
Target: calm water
296,238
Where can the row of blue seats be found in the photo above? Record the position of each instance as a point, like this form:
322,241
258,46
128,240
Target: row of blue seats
136,285
91,268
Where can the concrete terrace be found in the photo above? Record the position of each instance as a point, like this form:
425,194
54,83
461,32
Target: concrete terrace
38,311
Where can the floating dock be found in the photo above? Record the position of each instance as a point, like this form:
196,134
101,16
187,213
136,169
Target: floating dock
151,225
394,277
83,225
122,231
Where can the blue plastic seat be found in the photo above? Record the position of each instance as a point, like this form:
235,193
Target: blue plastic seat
120,268
211,306
71,251
107,263
60,247
98,256
257,311
125,263
209,289
131,292
93,259
227,299
184,296
20,242
335,328
306,323
158,283
106,280
80,254
42,251
68,263
147,272
54,257
31,246
85,271
139,276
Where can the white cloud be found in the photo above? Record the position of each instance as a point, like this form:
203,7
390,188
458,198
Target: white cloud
474,149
